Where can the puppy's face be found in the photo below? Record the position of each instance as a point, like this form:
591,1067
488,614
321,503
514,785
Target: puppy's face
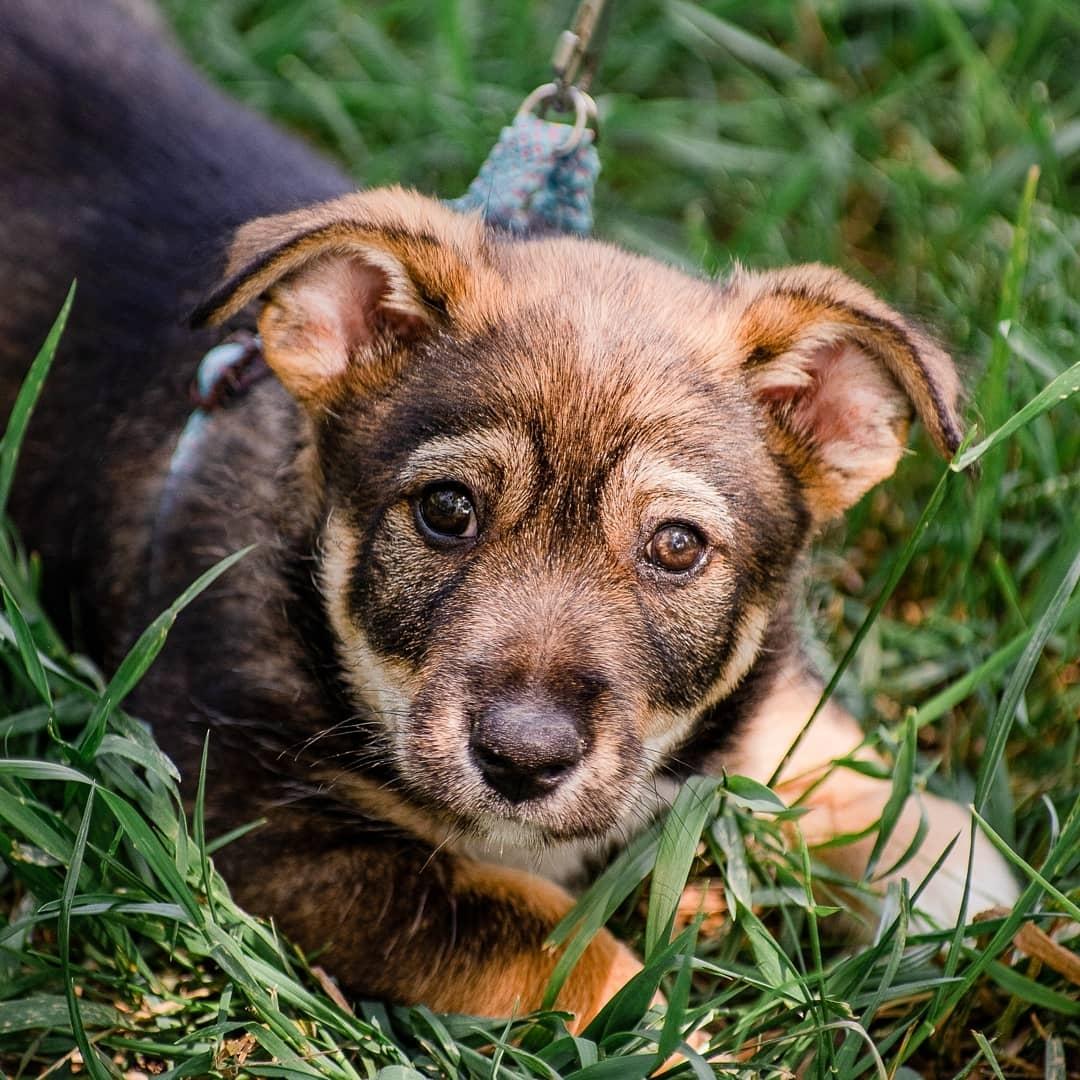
566,487
545,554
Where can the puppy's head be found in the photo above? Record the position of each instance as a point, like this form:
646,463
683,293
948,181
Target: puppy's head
565,488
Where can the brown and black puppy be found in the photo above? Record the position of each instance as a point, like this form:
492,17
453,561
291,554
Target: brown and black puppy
531,517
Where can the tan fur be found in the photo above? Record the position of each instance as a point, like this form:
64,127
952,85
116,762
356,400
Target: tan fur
384,686
435,241
502,988
782,309
813,334
509,986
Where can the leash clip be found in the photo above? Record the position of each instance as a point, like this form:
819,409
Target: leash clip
583,106
574,62
228,370
577,50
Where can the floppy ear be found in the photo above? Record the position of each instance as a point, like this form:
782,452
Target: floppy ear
840,374
348,284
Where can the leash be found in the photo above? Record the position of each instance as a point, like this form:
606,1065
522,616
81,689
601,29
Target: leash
539,177
223,377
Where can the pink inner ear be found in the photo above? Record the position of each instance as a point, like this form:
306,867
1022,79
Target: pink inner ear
850,408
332,313
362,289
333,306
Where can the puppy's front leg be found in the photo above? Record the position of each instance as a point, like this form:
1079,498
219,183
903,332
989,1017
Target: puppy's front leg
841,802
391,920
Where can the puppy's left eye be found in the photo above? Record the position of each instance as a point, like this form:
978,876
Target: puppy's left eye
675,547
445,512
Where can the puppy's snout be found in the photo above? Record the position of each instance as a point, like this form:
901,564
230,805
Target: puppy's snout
524,748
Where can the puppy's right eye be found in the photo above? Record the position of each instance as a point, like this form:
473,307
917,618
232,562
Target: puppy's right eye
445,513
675,548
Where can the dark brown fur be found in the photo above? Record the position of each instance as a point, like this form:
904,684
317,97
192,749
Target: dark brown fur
584,397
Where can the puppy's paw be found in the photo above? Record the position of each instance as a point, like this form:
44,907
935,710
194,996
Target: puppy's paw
607,966
992,882
624,967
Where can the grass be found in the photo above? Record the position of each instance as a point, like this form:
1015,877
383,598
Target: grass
896,141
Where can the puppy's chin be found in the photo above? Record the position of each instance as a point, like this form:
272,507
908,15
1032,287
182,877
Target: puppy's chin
587,806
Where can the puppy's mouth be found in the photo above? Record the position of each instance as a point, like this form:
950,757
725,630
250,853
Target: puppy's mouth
532,770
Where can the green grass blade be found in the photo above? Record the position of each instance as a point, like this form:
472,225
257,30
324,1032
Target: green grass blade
1062,852
51,1012
199,824
988,1053
627,1010
992,390
746,48
898,935
154,852
28,650
584,921
35,827
1027,869
774,966
902,787
1031,991
678,1002
29,769
149,757
623,1067
232,835
693,807
751,794
27,399
896,572
144,652
1001,724
979,676
1058,390
71,884
733,863
992,393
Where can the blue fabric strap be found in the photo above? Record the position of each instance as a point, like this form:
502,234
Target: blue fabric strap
529,184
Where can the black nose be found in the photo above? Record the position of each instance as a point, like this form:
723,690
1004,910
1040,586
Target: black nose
525,748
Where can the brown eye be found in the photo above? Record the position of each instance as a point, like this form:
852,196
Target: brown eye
446,512
675,548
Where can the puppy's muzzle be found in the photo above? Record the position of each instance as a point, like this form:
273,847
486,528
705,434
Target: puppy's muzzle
525,747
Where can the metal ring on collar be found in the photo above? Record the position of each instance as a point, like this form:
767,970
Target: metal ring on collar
584,110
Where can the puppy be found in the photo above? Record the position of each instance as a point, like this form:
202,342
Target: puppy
531,517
